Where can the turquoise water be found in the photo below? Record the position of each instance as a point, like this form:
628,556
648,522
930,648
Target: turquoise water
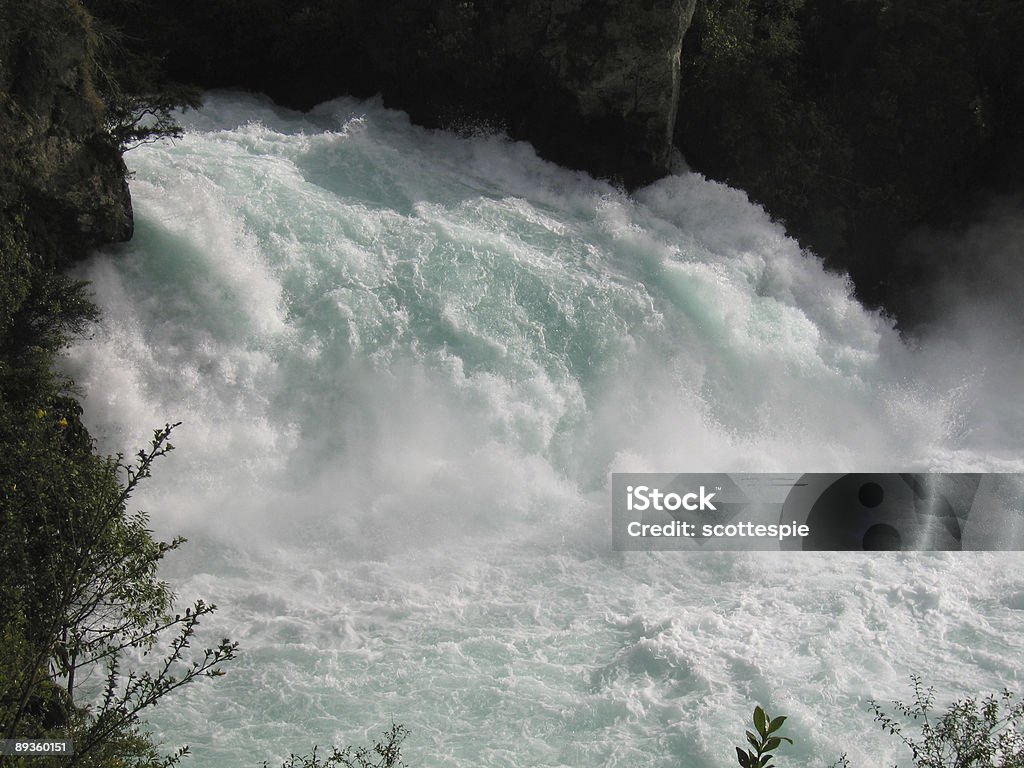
407,362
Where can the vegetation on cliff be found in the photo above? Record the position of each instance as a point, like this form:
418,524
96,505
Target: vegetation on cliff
856,122
78,586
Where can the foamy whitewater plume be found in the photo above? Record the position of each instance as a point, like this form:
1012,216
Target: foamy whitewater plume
407,362
974,301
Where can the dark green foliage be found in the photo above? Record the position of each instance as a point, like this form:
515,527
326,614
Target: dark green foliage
971,734
856,121
79,587
384,754
758,753
147,115
301,54
745,116
78,583
140,101
292,51
15,280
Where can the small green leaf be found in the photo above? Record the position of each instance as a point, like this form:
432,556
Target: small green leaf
741,756
773,743
776,724
753,740
761,721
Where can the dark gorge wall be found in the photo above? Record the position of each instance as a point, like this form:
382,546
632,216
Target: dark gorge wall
592,84
857,124
62,180
854,123
63,184
861,125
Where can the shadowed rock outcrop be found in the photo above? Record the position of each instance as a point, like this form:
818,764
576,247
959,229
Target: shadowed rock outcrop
593,85
61,175
604,78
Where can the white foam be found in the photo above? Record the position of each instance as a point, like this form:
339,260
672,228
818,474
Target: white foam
406,362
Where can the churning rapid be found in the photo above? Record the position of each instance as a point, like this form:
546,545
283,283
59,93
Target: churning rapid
407,361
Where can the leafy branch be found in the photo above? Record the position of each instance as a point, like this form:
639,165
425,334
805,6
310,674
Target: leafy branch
87,577
384,754
763,744
972,734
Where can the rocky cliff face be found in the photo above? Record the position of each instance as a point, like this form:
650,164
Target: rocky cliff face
592,84
862,125
62,178
599,81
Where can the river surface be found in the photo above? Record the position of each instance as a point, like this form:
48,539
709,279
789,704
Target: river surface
406,363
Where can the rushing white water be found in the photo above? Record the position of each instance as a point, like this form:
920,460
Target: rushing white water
407,362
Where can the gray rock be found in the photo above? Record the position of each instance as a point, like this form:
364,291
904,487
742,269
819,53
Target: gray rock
620,63
57,157
593,84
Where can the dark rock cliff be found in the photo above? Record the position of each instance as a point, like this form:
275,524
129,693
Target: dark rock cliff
819,109
598,82
62,179
861,125
593,84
